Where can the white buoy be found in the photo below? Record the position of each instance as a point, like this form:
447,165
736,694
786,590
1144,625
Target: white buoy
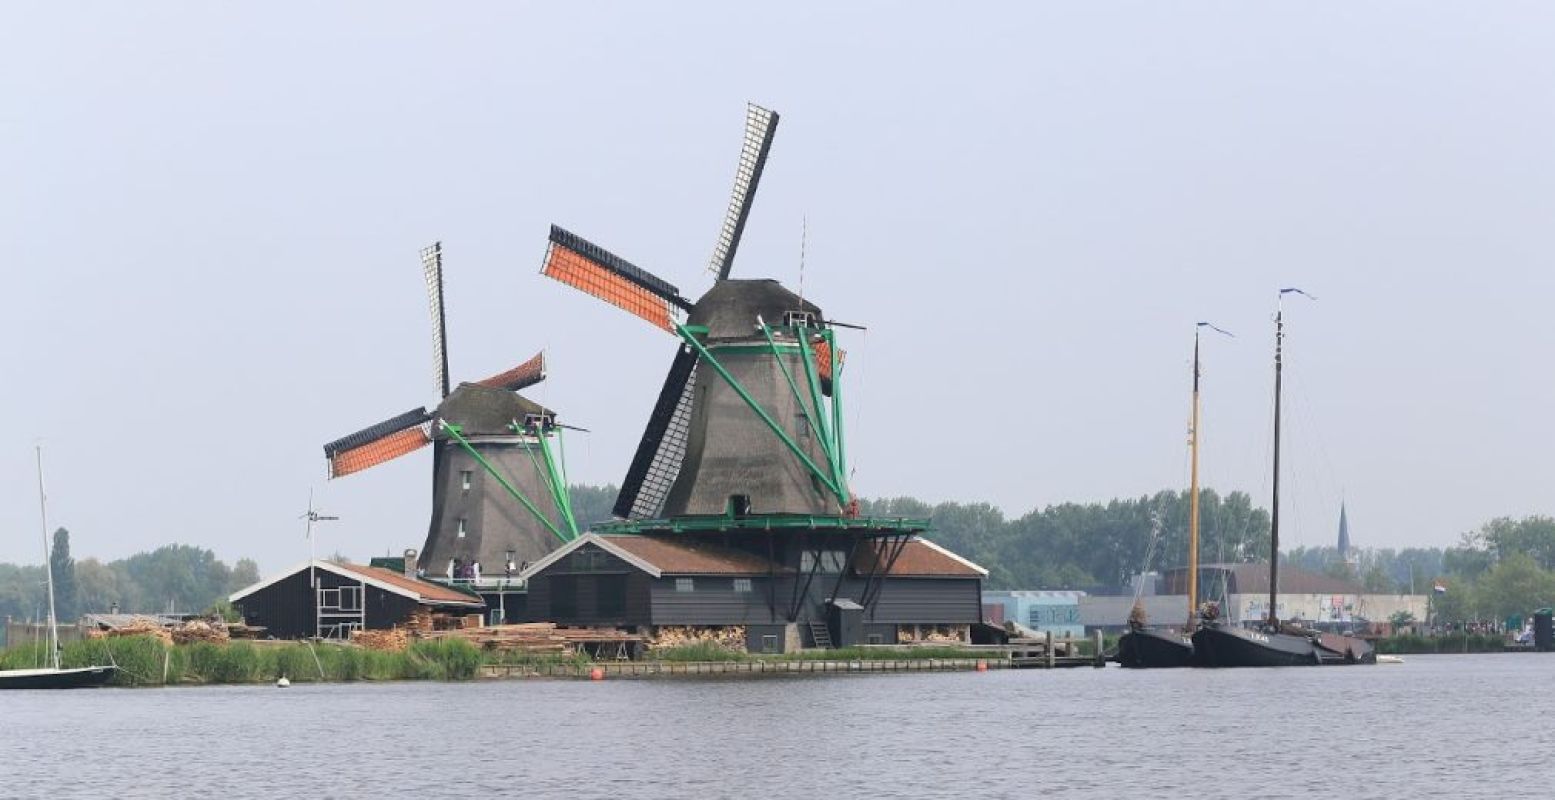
282,682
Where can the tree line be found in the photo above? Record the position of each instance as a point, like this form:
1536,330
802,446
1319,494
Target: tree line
174,577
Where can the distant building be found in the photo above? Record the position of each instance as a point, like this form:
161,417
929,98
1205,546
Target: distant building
1042,610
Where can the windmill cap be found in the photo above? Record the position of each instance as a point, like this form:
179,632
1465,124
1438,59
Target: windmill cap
484,411
730,309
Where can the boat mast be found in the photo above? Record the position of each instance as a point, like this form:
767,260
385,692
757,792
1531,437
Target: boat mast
48,566
1274,508
1193,489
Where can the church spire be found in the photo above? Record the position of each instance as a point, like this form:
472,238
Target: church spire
1344,534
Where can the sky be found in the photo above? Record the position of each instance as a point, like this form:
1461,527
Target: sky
211,216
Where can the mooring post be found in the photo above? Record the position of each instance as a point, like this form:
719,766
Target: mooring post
1097,642
1051,654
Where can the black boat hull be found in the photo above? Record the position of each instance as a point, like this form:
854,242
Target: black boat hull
1228,646
1150,649
78,678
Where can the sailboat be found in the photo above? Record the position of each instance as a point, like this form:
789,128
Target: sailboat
1146,647
1217,643
53,676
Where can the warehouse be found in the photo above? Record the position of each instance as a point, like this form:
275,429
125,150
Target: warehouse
814,597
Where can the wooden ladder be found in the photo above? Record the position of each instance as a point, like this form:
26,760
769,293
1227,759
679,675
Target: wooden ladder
821,634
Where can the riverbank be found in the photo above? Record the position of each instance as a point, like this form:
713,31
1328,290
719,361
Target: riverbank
1411,644
146,661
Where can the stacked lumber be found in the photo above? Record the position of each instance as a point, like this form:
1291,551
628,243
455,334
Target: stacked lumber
138,626
534,637
728,637
420,621
393,640
198,630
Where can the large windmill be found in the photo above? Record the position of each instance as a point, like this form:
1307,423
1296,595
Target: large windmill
499,492
749,419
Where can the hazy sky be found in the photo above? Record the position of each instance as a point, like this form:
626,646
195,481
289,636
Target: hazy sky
210,219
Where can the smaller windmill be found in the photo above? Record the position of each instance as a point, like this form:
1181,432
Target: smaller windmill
499,489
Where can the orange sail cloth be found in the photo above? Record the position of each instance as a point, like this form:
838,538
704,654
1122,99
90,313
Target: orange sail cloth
583,273
528,373
378,451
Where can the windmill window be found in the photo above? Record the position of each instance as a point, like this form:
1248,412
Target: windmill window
742,585
464,479
768,643
685,585
461,527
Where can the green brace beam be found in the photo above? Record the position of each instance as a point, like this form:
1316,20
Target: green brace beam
814,379
820,428
690,338
836,405
549,475
458,436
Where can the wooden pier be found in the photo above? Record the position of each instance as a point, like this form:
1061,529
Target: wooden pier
1044,653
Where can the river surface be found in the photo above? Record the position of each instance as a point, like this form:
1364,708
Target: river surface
1436,726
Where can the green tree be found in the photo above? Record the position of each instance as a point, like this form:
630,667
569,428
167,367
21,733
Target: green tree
1378,581
591,504
245,573
97,587
1515,585
63,568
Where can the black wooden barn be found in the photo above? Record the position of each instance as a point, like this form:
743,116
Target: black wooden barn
347,597
815,596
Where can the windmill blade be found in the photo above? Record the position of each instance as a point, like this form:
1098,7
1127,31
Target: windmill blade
376,444
823,364
526,374
586,266
657,462
432,267
760,127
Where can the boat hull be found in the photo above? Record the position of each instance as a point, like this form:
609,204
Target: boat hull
78,678
1151,649
1228,646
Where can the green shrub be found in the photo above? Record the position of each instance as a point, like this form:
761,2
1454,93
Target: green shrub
696,651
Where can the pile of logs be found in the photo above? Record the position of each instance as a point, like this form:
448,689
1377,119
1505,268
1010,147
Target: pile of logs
392,640
139,626
932,634
535,637
198,630
728,637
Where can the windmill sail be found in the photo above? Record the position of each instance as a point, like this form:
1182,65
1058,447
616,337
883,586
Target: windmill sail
657,462
376,444
585,266
432,268
524,375
760,127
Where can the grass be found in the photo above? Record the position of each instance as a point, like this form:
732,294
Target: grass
1451,643
145,661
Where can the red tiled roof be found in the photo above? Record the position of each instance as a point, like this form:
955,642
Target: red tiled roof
432,593
689,557
921,559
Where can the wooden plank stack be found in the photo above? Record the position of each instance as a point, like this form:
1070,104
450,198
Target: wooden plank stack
535,637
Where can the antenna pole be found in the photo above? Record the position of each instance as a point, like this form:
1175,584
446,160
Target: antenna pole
1193,491
48,566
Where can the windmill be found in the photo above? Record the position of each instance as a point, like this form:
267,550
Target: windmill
499,491
749,418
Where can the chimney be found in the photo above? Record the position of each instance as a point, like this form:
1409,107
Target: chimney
410,562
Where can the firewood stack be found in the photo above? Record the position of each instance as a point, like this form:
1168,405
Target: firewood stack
199,630
139,626
393,640
728,637
539,638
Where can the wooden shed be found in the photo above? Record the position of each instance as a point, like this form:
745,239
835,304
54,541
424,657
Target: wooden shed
329,600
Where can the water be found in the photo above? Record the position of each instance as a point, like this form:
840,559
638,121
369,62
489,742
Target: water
1436,726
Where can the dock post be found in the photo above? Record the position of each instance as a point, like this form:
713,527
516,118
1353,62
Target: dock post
1098,642
1051,655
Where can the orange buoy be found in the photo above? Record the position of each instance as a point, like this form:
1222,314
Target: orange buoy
982,666
596,674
